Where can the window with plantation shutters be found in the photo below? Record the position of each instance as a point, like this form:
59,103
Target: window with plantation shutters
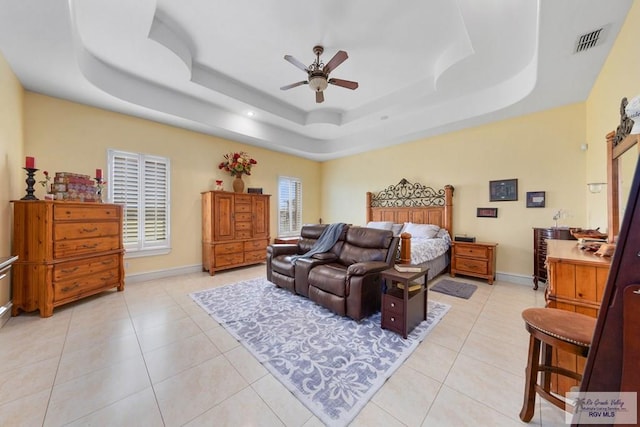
140,182
289,206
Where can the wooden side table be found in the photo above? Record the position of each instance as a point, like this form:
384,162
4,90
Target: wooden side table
403,310
474,259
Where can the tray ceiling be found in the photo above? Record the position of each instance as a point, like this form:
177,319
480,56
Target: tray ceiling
424,68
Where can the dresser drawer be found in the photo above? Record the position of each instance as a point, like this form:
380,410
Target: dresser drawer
243,225
254,245
78,287
252,256
75,212
470,265
228,248
243,217
242,208
74,269
229,259
471,251
243,234
69,248
79,230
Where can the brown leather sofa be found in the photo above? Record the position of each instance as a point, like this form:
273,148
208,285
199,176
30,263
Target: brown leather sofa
346,280
280,267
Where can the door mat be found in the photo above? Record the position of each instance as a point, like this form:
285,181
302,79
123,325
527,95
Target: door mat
453,288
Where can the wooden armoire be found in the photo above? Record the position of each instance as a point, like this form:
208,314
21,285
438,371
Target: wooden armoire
235,229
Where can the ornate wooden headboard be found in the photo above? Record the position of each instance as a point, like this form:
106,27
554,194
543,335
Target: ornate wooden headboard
407,202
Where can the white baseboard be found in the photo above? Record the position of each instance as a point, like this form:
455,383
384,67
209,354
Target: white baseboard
5,313
518,279
153,275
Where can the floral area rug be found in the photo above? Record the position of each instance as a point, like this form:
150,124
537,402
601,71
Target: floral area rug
332,364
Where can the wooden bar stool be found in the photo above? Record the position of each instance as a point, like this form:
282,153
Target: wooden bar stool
553,328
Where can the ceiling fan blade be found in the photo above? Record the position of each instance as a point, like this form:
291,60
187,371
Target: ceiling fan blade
337,59
304,82
319,97
344,83
297,63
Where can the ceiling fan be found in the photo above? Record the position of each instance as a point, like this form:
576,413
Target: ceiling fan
319,73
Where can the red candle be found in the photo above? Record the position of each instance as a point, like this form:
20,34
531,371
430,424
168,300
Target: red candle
30,163
99,173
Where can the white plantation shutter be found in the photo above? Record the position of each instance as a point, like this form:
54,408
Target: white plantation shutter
141,183
289,206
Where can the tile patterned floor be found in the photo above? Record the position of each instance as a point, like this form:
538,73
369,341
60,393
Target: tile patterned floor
150,356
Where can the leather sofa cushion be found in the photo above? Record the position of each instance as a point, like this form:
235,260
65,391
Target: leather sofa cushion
283,264
369,237
329,278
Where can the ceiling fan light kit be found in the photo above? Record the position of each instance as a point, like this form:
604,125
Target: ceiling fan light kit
318,73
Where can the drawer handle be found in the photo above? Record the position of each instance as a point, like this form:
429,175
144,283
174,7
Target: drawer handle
69,270
107,262
393,319
88,246
69,288
393,304
89,230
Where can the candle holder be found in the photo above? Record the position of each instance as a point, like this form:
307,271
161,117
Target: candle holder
30,182
98,189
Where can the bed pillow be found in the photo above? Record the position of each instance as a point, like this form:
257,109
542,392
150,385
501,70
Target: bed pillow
380,225
443,234
428,231
397,229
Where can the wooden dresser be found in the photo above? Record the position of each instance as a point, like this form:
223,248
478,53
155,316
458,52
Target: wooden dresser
540,237
66,251
474,259
235,229
576,282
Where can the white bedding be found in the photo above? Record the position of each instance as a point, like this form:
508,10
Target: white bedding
423,249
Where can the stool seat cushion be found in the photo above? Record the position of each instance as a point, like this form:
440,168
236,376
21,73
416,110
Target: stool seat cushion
564,325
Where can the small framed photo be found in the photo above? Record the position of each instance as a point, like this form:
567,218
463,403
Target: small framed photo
503,190
535,199
251,190
487,213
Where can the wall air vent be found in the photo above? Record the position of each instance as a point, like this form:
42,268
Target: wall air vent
589,40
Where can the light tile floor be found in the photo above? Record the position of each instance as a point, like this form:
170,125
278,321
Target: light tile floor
149,356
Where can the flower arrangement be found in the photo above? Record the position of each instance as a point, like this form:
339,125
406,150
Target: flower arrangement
237,163
46,180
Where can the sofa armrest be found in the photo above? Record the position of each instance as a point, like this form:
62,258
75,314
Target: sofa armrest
282,249
362,268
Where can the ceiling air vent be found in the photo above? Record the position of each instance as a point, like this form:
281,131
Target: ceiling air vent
589,40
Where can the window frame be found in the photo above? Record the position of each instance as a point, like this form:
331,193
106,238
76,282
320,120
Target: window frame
142,247
289,180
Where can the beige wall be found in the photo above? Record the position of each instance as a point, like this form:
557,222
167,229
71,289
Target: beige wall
620,77
65,136
541,150
11,175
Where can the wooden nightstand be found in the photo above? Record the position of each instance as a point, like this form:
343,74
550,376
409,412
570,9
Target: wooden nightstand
474,259
403,310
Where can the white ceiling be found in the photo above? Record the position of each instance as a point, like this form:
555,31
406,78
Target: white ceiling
423,67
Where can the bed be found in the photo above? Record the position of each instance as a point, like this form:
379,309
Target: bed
422,216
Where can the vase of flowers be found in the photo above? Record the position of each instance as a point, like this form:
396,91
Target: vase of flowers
238,164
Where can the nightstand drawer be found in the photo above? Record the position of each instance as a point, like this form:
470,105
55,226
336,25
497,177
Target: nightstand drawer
470,265
393,305
472,251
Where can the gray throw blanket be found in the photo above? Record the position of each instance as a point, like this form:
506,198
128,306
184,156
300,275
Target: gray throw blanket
325,242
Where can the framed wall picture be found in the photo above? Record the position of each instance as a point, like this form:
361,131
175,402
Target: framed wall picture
487,213
535,199
503,190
